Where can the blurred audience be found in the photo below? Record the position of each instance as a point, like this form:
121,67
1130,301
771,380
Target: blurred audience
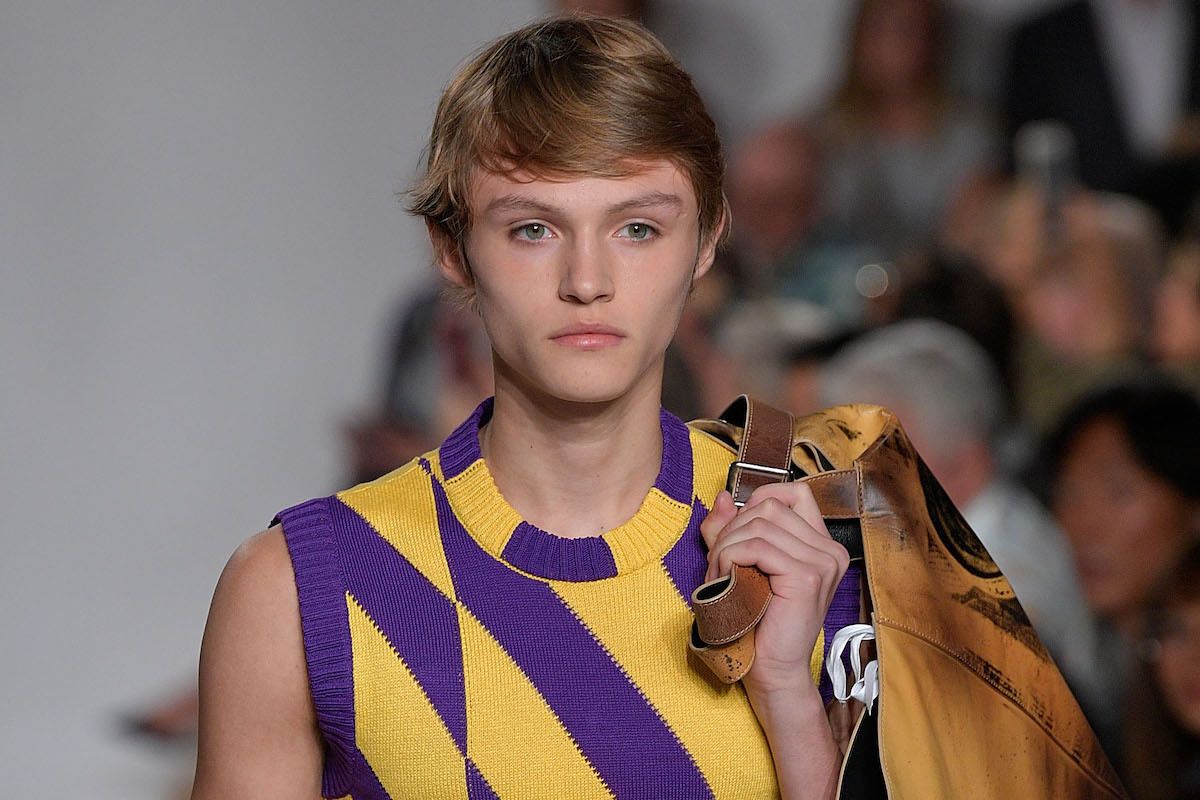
1126,492
800,384
1124,77
1175,338
1162,757
947,393
899,148
1081,285
782,241
956,291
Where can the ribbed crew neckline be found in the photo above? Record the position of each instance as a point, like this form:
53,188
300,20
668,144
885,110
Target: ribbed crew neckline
648,535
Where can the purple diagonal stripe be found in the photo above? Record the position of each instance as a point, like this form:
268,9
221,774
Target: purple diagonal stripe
687,560
620,734
477,787
843,611
675,473
418,620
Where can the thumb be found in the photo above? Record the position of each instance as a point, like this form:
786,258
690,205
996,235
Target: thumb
723,512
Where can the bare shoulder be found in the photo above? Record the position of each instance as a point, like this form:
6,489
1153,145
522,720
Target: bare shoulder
262,567
255,614
258,732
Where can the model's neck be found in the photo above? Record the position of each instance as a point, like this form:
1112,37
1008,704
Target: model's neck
574,469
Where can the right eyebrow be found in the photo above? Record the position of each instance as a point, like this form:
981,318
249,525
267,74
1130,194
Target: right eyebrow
518,202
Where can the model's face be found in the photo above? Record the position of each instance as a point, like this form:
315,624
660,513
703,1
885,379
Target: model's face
1125,525
581,283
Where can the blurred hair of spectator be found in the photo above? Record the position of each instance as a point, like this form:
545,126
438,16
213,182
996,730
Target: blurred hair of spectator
1081,284
800,383
1124,77
1162,752
782,241
947,393
899,148
956,291
757,338
1175,338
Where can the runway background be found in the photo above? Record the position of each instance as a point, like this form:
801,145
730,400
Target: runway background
200,252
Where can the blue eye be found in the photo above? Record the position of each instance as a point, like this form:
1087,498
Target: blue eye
532,232
638,231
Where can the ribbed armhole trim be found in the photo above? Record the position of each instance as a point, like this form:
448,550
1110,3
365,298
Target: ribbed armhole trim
324,620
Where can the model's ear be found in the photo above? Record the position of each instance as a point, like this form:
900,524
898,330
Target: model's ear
449,256
708,248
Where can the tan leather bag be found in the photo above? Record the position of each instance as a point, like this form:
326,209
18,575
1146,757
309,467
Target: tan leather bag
970,704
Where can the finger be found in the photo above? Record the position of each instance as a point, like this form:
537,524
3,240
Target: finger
816,578
723,511
827,556
796,495
774,510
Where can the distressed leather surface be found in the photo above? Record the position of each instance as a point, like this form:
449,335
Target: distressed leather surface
971,705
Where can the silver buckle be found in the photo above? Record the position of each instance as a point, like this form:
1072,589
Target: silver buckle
747,466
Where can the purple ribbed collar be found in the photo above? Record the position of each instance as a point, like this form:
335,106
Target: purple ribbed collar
538,552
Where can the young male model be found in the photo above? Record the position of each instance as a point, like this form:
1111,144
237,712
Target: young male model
507,616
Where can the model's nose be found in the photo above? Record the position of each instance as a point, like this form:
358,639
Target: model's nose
587,273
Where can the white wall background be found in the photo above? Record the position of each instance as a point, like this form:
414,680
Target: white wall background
199,253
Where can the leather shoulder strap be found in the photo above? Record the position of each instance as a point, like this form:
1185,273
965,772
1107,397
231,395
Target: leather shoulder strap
765,454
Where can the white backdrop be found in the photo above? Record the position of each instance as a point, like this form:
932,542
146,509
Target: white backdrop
200,252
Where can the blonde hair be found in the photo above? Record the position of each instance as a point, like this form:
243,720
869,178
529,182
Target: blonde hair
568,97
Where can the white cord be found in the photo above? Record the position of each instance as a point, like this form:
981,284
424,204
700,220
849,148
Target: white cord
866,682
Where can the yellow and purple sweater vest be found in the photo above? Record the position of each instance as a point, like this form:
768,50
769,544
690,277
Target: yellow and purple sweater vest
455,650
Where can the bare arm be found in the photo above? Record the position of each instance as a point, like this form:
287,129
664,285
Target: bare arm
258,732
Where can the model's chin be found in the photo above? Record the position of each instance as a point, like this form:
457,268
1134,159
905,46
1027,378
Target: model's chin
599,382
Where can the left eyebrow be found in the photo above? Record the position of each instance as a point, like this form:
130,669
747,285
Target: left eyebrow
671,202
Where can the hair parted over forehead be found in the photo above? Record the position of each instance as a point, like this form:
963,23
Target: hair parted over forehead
565,98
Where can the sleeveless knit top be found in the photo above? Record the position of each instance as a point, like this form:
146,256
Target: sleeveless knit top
455,650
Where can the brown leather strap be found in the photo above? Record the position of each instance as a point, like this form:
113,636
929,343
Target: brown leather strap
836,493
765,454
728,609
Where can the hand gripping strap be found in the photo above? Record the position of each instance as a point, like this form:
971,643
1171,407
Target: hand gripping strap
728,608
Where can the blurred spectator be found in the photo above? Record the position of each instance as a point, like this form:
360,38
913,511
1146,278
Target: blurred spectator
957,292
800,384
1083,299
1175,339
1126,492
946,392
438,369
898,148
1162,754
758,338
781,238
1124,77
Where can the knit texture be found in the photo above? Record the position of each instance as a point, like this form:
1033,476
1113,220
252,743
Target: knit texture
456,650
